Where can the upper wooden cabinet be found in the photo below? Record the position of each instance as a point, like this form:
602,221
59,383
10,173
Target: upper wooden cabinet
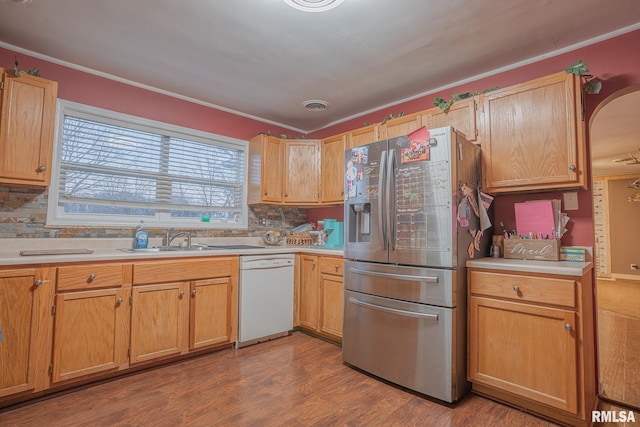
27,119
266,163
401,125
302,171
363,136
533,136
462,115
332,169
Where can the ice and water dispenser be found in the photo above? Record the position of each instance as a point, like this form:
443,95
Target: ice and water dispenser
358,216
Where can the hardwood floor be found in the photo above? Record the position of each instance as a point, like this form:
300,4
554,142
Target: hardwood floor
293,381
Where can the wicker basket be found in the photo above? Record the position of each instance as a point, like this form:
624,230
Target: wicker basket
300,239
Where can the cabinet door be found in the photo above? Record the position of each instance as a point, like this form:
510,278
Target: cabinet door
210,313
266,163
24,353
363,136
302,171
527,350
461,115
309,290
90,333
27,118
402,125
533,136
332,160
159,321
332,292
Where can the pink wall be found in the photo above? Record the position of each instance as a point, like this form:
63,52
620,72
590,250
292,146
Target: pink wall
615,62
85,88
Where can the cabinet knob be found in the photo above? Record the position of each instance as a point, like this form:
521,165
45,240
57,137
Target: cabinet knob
313,264
38,282
266,192
337,267
568,327
42,168
572,167
342,193
119,300
193,293
181,294
92,277
516,288
286,194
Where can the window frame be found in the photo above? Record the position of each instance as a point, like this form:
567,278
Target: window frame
55,212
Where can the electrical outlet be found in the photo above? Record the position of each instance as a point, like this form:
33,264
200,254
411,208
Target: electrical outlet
262,221
634,266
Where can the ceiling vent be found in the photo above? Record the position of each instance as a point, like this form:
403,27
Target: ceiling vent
313,5
315,105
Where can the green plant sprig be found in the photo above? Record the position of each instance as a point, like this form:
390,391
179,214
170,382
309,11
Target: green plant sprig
591,84
17,72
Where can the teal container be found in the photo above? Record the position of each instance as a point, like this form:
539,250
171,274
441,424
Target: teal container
335,238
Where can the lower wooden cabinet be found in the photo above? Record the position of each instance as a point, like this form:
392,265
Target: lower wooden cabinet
91,320
91,333
210,314
25,332
159,321
531,342
321,295
180,316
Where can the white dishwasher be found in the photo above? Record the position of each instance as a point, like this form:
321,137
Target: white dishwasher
266,298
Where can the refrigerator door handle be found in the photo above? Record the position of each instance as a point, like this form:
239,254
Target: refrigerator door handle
382,218
391,199
427,279
429,316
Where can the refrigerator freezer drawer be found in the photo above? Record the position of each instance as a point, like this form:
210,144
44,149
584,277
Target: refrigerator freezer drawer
405,343
417,284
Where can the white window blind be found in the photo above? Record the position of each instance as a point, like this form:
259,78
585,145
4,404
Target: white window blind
117,169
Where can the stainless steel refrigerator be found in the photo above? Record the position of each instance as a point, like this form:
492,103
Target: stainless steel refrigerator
411,222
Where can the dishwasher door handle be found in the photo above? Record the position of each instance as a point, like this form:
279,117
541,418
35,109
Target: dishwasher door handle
399,312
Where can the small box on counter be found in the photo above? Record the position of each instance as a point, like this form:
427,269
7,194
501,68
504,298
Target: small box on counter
538,249
573,253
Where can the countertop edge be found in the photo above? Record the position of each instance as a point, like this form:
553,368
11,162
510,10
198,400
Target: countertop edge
13,258
565,268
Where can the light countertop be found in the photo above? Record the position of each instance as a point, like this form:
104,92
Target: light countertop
111,250
567,268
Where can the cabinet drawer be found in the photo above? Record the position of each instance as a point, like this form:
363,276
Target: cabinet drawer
181,270
331,265
542,290
92,276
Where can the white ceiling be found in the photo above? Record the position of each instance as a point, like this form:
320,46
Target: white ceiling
262,58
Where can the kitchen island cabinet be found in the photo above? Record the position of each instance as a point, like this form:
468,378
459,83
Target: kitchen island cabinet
25,330
27,120
531,341
533,136
91,320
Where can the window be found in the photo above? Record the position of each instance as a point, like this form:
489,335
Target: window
115,169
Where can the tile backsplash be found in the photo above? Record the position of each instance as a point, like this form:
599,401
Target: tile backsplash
23,214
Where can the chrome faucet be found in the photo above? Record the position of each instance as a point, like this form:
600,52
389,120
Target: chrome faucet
168,238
